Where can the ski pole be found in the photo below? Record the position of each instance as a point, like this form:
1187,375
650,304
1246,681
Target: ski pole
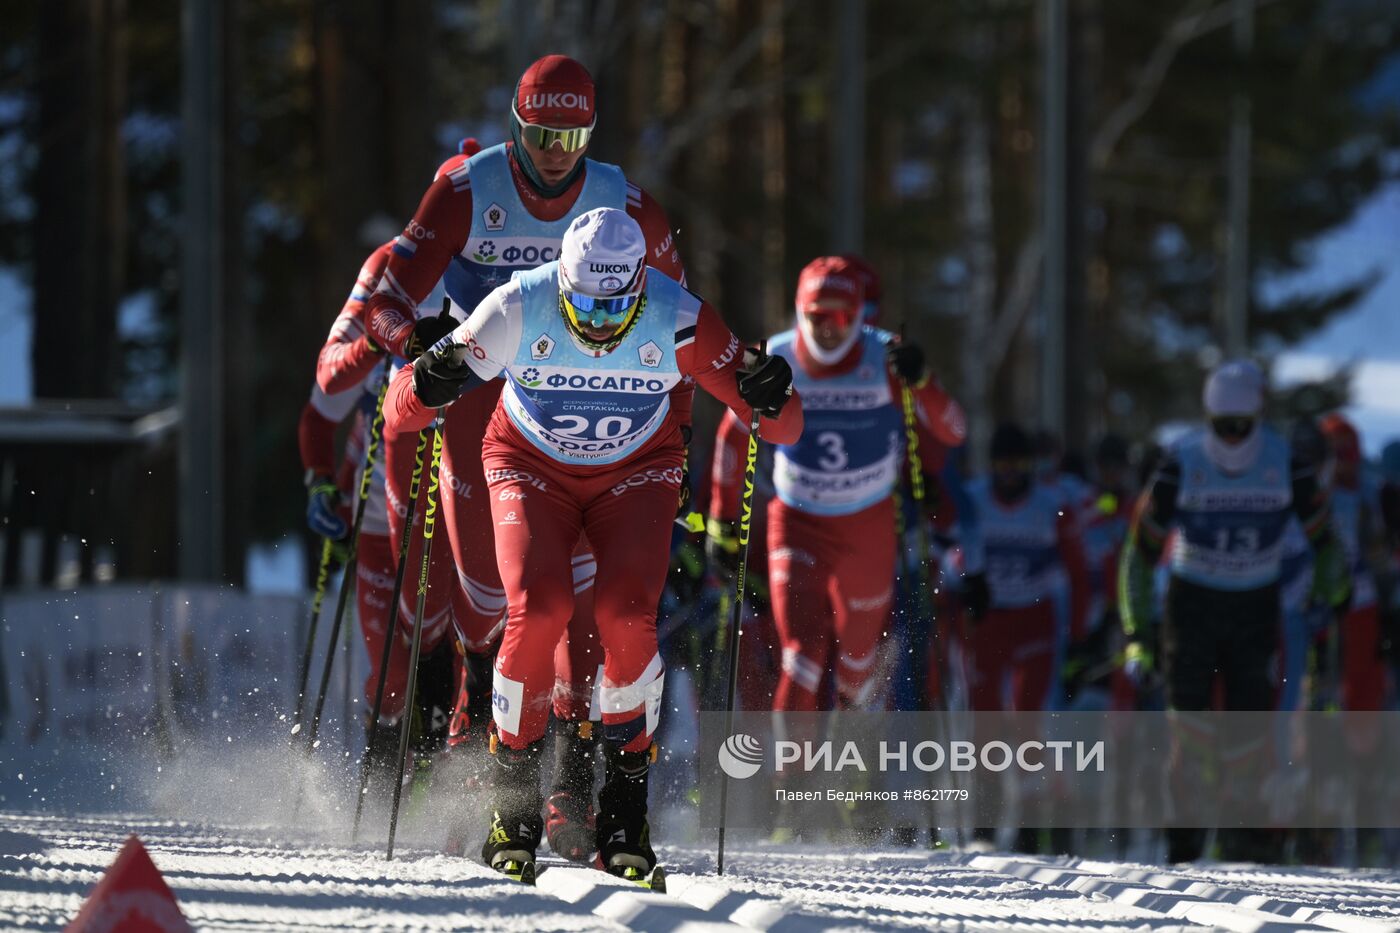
921,580
347,579
392,625
406,721
740,579
346,669
323,574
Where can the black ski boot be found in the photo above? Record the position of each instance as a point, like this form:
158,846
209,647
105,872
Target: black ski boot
469,731
1185,844
569,823
623,835
382,743
516,826
477,670
465,770
435,693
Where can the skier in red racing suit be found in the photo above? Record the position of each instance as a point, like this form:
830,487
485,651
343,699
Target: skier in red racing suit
584,440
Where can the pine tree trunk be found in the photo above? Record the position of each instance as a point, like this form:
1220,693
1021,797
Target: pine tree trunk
239,350
79,221
978,369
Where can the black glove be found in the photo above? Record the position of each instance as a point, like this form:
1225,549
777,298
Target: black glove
907,361
439,382
976,596
325,507
767,386
429,330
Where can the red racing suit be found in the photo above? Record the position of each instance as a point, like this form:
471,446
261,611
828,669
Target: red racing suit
624,501
475,602
831,559
346,383
1031,545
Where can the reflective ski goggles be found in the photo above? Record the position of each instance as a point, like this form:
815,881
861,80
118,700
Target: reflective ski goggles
570,139
1232,427
597,313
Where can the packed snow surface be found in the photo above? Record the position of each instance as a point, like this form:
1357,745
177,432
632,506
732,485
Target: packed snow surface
264,877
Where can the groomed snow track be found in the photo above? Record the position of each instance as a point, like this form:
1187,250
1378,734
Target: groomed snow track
252,879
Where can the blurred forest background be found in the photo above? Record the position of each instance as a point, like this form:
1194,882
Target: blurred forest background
737,115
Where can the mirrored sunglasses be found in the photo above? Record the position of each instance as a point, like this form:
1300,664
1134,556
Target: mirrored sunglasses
587,311
570,139
1232,426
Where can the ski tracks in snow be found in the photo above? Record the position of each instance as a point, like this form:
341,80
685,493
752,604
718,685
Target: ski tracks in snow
254,879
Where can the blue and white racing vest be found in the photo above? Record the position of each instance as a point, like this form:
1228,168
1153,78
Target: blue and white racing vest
505,237
586,409
1230,528
848,456
1021,542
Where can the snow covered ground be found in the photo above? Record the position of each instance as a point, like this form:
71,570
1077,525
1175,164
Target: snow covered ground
253,836
253,877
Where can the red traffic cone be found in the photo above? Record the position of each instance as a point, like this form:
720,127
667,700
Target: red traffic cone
131,898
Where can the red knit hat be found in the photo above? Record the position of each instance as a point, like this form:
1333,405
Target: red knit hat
556,91
830,284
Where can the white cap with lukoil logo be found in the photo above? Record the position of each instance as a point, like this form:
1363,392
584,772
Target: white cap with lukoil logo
603,254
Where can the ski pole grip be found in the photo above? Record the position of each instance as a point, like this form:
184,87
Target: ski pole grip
448,350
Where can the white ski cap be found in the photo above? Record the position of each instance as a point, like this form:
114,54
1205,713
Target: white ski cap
604,254
1235,388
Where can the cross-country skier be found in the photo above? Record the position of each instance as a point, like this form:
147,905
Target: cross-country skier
761,645
1088,674
831,527
584,440
1031,542
347,370
1355,504
505,211
346,382
1227,491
